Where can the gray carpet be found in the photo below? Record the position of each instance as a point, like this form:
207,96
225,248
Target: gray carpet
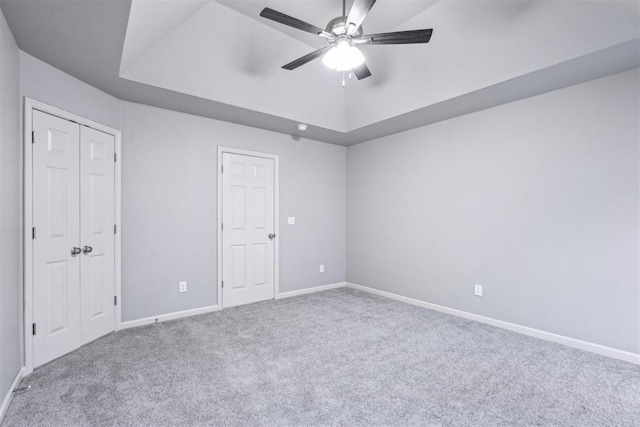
340,357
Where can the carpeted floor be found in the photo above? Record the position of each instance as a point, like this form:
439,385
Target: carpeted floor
340,357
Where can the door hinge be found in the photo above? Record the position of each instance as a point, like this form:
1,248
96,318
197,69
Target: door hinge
223,283
115,228
33,233
115,300
115,157
221,169
33,137
33,328
222,226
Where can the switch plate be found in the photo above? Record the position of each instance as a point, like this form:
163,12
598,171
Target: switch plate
478,290
183,286
321,268
291,220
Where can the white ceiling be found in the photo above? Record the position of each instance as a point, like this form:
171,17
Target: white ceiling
218,58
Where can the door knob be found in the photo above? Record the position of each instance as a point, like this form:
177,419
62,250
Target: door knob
272,236
75,251
87,249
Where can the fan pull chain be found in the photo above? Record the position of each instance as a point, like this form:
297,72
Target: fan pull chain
344,77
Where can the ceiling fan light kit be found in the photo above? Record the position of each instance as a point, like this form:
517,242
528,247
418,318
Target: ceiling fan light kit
343,34
343,56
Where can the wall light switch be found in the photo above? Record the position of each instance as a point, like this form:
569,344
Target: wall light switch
478,290
291,220
183,286
321,268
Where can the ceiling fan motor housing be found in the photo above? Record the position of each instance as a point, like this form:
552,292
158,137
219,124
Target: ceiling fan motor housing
338,27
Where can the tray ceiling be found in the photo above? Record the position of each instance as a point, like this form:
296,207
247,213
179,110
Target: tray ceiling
218,58
222,50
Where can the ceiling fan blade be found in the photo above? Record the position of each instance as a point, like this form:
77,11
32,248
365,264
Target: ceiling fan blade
400,37
307,58
281,18
358,13
362,71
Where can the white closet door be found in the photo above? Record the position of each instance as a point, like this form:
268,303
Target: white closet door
97,171
248,204
56,210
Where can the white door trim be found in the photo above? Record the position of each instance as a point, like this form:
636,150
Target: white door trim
276,159
29,106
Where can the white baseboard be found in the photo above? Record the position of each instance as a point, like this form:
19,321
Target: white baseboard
7,398
310,290
166,317
560,339
212,308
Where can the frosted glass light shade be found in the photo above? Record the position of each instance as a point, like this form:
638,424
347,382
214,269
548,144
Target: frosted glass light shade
343,57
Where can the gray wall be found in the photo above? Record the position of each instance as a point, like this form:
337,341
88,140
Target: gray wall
169,195
169,208
10,213
536,200
47,84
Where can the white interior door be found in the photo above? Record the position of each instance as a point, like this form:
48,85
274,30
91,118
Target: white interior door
97,262
56,220
73,241
248,217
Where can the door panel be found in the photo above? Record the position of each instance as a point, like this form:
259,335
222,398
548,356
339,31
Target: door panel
97,192
57,297
261,258
248,203
56,272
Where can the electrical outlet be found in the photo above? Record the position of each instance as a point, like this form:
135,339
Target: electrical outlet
183,286
321,268
478,290
291,220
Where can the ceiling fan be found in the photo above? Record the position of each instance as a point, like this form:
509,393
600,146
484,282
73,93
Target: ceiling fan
344,34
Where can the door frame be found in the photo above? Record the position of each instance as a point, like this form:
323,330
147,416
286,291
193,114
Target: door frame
276,214
29,106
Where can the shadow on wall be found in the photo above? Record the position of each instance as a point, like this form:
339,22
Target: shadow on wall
256,57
